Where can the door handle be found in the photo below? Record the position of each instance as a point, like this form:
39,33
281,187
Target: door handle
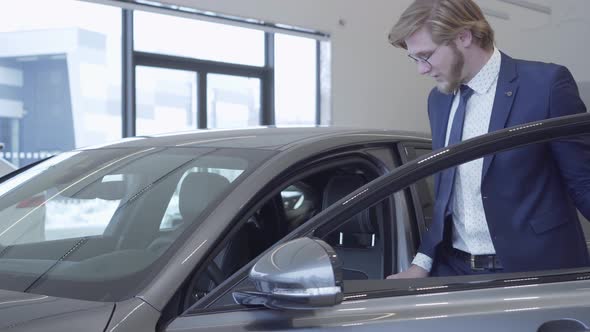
563,325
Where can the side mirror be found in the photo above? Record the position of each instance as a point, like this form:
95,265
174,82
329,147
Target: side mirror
300,274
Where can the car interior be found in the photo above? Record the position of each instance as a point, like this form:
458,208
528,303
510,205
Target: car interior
204,185
358,240
116,254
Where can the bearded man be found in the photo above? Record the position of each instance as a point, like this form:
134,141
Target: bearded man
514,211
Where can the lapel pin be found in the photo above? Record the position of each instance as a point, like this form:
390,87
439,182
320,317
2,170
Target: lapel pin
509,93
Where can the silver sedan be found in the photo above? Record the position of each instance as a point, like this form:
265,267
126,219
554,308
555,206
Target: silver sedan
259,230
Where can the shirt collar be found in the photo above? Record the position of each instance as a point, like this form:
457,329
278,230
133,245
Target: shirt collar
487,75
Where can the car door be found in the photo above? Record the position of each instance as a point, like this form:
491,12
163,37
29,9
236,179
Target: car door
555,300
290,201
421,193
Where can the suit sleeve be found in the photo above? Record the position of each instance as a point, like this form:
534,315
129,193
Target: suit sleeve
428,108
573,154
424,257
431,119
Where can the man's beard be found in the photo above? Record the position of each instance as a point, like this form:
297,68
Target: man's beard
454,81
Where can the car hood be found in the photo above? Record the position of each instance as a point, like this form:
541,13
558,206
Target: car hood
32,312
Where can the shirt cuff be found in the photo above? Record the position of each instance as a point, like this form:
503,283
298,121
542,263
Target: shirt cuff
423,261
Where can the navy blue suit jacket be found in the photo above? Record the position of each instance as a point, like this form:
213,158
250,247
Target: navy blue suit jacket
530,193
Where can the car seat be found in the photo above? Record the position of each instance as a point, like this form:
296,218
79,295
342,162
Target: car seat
356,241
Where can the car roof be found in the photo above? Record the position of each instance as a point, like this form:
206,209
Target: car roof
271,138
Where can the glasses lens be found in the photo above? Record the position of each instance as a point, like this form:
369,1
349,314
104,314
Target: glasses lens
420,61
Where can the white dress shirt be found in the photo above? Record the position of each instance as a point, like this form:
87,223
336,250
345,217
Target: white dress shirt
470,228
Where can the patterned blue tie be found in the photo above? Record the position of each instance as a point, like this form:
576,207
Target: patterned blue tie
448,176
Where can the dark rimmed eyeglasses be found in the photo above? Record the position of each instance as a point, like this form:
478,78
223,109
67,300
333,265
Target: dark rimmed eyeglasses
424,60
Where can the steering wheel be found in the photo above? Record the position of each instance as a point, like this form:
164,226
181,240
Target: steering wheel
195,292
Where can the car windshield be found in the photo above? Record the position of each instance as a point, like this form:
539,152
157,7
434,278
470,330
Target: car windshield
97,224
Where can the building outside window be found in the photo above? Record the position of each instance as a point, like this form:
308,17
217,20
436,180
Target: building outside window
61,76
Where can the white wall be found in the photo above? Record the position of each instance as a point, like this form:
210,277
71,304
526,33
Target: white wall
562,37
374,84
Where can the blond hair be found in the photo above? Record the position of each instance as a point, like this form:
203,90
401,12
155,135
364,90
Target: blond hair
444,19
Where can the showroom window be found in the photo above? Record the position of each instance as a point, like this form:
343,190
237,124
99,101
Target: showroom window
166,100
197,39
241,76
295,89
60,77
232,101
93,72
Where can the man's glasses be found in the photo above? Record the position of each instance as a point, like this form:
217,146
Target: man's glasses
424,60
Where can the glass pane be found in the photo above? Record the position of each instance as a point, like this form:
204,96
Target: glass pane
60,84
295,80
166,100
233,101
67,217
103,217
191,38
173,216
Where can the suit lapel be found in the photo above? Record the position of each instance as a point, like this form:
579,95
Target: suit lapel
506,90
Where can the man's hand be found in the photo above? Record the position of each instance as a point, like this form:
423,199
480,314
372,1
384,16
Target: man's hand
414,271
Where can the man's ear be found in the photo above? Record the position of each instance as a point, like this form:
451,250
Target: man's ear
464,38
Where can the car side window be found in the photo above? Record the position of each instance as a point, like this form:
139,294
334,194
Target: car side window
423,190
360,239
360,242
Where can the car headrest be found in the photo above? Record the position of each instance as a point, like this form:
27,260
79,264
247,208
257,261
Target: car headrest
339,186
198,190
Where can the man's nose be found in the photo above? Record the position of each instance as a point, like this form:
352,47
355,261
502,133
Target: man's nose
423,67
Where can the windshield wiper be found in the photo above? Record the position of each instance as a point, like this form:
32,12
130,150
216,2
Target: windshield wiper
73,249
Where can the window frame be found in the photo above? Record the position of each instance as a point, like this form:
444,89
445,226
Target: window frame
407,151
132,59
